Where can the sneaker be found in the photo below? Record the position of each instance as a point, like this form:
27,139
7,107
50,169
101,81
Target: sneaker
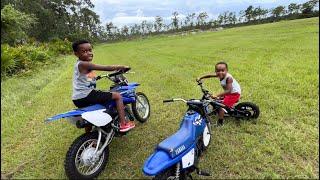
127,126
220,122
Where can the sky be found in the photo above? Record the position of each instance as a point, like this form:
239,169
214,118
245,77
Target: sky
128,12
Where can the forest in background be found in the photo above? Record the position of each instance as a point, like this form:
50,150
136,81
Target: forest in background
36,32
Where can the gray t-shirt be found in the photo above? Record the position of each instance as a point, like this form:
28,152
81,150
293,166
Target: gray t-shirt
83,84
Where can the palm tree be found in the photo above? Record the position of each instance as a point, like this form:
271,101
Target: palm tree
144,27
278,11
232,18
249,13
202,18
293,8
125,31
109,27
175,20
158,23
308,7
192,16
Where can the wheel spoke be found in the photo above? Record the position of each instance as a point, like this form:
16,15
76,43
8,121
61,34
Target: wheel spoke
89,168
81,166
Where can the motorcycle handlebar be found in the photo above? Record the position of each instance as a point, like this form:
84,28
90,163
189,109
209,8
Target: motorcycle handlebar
122,71
176,99
167,100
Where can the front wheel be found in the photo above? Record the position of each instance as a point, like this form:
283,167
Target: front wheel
251,110
141,108
204,140
81,160
206,136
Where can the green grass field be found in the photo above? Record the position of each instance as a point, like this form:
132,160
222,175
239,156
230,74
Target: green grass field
276,65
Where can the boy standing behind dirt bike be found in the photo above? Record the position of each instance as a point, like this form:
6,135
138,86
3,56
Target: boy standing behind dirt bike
232,90
84,83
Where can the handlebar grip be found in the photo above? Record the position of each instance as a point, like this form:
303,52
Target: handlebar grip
167,100
98,77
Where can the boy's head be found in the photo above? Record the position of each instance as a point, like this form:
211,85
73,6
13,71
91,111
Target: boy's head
221,69
83,50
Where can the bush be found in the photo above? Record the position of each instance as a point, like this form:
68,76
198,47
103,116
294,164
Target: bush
7,61
24,57
58,46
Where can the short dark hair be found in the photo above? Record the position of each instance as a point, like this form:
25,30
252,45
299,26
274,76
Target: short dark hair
222,62
76,44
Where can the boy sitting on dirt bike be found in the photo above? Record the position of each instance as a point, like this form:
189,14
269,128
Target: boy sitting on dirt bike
84,83
231,87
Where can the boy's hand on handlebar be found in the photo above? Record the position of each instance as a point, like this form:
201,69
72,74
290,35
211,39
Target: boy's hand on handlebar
125,68
122,68
214,96
98,77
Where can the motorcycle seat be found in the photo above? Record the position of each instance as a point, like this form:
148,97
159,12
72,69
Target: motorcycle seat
91,108
179,141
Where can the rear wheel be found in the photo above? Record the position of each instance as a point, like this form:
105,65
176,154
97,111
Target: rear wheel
141,108
250,110
81,160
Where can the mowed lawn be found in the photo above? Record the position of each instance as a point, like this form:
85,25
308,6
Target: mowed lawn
276,65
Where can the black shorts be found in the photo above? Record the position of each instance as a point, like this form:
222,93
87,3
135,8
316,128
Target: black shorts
94,97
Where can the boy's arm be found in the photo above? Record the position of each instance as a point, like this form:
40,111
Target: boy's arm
207,76
228,88
88,66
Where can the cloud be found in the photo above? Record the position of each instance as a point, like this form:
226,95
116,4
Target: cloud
129,20
139,13
122,12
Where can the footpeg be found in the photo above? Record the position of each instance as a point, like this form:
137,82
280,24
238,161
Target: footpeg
202,172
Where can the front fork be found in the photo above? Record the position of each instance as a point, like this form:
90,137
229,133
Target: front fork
108,138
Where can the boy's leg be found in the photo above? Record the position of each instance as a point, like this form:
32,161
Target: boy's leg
120,108
221,116
229,100
101,97
124,126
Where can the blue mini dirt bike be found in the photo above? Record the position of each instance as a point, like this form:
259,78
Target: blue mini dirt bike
88,154
177,156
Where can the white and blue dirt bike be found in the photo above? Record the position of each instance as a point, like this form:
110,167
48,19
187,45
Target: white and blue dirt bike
177,156
88,155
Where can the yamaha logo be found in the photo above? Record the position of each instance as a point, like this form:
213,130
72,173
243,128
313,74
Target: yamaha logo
197,121
180,149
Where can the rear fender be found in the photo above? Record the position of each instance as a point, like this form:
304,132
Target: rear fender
76,112
161,160
97,117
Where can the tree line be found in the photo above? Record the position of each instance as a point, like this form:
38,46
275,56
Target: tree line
35,32
193,21
44,20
